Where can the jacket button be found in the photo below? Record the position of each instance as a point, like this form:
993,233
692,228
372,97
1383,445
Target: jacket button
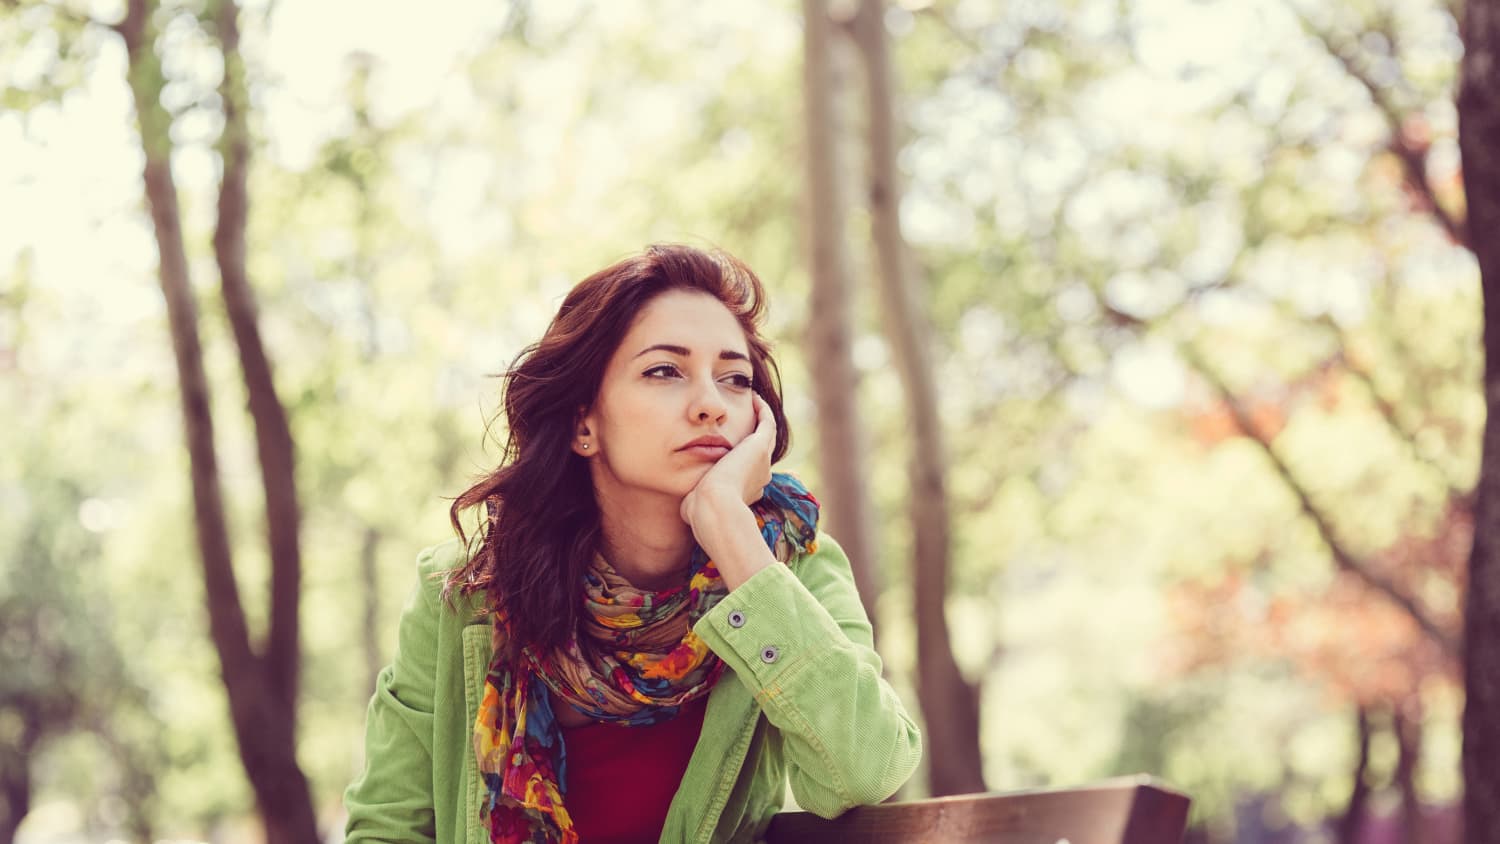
736,619
769,654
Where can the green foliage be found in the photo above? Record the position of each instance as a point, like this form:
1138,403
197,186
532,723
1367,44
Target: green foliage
48,52
63,665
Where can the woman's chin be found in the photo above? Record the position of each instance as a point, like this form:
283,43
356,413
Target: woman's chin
692,479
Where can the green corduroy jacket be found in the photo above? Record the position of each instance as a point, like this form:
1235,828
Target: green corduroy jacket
802,701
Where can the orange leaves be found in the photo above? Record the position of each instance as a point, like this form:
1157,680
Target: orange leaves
1358,644
1213,420
1415,133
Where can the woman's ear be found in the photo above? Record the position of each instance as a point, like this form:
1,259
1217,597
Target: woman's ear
584,443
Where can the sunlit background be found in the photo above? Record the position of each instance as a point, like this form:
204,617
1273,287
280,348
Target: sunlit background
1207,361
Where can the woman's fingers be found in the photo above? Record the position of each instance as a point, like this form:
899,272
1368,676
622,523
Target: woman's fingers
766,425
765,420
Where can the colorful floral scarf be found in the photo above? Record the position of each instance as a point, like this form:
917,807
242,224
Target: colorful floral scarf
645,663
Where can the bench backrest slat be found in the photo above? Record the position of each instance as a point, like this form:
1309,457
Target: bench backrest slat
1127,811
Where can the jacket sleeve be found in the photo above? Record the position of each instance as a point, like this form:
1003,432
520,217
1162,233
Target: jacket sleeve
392,798
799,638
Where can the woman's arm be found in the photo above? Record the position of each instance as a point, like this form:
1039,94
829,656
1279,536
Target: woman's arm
392,798
799,638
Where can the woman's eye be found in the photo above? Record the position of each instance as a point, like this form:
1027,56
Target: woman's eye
666,370
740,380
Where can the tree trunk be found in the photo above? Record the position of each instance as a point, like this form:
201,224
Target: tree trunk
370,583
950,704
281,789
225,616
1479,145
138,786
1359,794
842,440
273,435
364,270
15,786
15,803
1406,723
261,695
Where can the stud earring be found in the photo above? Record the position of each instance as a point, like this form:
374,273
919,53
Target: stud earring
585,445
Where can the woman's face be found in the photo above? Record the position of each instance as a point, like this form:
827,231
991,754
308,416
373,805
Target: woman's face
681,373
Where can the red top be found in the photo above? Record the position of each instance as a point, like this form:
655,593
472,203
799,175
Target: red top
621,779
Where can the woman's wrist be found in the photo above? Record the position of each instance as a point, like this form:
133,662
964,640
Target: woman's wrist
727,530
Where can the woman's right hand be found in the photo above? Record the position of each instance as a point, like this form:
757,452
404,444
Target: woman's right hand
717,508
743,471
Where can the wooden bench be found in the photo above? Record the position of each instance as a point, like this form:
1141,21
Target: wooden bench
1129,810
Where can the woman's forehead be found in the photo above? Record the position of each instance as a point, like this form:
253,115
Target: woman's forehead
686,323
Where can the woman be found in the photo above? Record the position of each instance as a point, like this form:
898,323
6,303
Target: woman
648,637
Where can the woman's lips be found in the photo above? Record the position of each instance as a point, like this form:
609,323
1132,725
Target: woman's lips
706,452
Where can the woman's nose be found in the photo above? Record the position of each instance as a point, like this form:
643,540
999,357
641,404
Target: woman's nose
707,404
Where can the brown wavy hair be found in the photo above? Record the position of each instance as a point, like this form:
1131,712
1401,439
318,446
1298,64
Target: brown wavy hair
540,525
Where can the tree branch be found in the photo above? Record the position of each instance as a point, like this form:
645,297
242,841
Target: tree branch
1413,160
1341,555
1387,411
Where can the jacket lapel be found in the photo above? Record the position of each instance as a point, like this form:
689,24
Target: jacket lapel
477,655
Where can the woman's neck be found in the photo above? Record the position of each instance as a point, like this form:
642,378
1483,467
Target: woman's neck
646,541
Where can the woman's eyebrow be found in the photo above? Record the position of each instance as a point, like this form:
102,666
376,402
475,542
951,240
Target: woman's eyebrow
684,351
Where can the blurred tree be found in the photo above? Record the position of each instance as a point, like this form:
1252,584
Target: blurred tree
262,686
61,669
1479,140
842,438
47,675
950,703
1351,823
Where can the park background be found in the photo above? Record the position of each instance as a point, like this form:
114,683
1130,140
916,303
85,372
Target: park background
1178,292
